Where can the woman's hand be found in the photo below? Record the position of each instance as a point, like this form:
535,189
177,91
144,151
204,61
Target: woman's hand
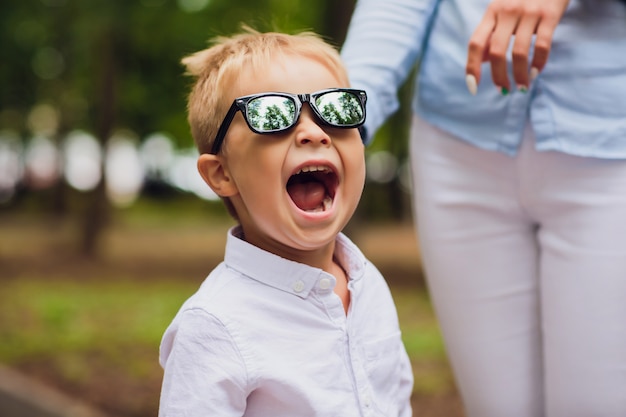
490,40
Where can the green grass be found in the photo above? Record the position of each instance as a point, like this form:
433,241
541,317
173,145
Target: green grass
54,319
423,342
43,316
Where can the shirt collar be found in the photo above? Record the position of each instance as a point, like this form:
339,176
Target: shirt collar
284,274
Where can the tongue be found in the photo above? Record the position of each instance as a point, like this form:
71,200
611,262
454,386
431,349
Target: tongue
307,195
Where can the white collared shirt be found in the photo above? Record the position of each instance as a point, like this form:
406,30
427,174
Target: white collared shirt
267,337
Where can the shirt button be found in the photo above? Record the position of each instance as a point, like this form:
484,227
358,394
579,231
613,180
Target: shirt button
367,401
298,286
324,283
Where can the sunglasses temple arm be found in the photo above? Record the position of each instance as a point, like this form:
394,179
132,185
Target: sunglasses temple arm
363,131
221,132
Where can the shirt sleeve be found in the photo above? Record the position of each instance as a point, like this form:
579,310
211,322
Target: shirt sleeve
204,373
383,43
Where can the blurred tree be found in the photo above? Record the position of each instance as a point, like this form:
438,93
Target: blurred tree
336,18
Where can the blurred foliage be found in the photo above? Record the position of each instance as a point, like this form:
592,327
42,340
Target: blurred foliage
56,51
107,65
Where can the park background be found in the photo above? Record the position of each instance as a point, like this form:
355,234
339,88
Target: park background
105,226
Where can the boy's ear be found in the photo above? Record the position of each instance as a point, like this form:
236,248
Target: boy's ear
216,175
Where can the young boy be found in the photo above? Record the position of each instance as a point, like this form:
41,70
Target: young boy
295,321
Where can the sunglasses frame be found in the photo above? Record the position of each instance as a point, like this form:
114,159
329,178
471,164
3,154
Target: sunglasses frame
241,104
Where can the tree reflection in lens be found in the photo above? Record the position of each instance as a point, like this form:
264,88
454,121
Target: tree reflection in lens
340,108
271,113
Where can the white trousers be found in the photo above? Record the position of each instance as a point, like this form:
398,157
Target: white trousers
526,265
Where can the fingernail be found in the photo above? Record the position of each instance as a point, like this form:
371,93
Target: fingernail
522,88
534,72
503,90
472,86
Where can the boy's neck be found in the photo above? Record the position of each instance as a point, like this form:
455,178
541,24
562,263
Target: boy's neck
322,258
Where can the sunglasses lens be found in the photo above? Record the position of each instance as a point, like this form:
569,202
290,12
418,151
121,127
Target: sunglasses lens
271,113
340,108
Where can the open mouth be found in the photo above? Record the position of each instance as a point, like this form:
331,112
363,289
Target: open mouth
312,188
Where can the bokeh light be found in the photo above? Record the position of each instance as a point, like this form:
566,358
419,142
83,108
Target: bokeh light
10,164
184,175
382,167
42,163
43,119
83,161
48,63
157,154
193,6
123,170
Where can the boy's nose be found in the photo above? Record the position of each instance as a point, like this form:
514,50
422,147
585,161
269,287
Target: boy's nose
308,130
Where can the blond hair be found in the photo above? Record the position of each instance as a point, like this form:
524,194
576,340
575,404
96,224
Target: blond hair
217,68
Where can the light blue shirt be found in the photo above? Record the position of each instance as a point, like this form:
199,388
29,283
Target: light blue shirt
577,105
268,337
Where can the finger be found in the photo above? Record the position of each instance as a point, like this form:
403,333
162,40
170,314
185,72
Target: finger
478,45
521,49
543,40
500,39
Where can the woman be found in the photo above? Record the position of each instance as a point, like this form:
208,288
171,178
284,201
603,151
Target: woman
519,189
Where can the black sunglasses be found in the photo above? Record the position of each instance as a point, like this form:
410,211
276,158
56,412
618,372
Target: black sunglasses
267,113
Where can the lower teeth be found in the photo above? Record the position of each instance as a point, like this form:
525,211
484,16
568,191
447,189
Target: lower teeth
326,203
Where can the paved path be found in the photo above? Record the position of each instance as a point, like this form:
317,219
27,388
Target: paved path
21,396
